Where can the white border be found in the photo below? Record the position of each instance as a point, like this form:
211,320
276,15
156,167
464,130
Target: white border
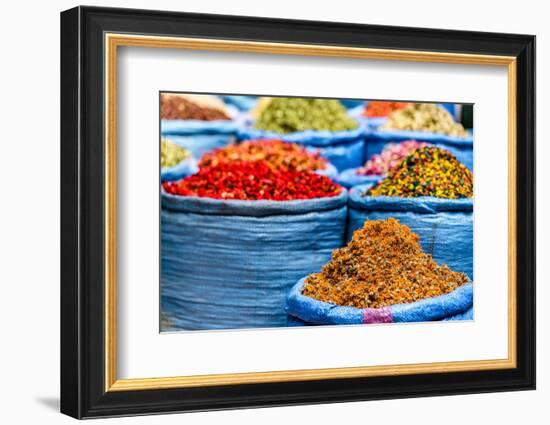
143,352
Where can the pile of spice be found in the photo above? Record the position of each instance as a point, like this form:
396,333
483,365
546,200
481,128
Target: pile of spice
424,117
172,154
253,181
382,265
376,109
277,154
185,107
428,171
392,155
286,115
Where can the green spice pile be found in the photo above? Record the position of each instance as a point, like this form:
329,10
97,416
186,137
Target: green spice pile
277,154
382,265
286,115
185,107
253,181
428,171
172,154
424,117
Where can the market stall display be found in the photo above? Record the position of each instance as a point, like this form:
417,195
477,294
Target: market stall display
381,275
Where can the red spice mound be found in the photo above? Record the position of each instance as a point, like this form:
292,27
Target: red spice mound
382,265
179,108
253,181
278,154
382,109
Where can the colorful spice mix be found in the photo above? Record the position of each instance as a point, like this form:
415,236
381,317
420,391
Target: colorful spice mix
172,154
428,171
375,109
176,107
392,155
382,265
290,114
277,154
424,117
253,181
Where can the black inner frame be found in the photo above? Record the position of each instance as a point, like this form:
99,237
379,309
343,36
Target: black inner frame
82,211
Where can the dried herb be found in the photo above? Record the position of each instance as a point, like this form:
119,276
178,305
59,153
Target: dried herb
253,181
172,154
424,117
392,155
290,114
428,171
277,154
174,107
382,265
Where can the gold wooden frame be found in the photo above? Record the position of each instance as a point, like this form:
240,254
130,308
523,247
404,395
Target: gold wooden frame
113,41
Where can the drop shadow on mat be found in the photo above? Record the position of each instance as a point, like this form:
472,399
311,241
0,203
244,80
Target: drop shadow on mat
49,402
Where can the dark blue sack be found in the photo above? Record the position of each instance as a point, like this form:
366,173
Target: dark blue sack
445,226
344,149
302,309
460,147
349,178
230,264
199,137
183,169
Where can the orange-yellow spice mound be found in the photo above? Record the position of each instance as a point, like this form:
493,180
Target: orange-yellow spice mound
382,265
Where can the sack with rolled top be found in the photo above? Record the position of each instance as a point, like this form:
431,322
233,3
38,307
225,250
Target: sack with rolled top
381,276
242,103
230,263
198,123
425,123
321,124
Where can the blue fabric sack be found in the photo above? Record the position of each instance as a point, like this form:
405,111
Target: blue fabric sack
199,137
445,226
349,178
344,149
183,169
460,147
230,264
304,310
242,103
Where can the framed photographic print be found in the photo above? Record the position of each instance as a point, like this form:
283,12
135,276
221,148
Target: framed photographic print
261,212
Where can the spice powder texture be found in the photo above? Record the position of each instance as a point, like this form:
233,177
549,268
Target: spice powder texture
382,265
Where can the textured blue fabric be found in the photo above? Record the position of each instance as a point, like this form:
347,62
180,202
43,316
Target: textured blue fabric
183,169
242,103
352,103
315,312
445,226
230,264
304,310
460,147
344,149
349,178
330,171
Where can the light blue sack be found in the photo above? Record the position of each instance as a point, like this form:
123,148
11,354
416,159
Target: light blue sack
242,103
445,226
183,169
230,264
199,137
344,149
349,178
304,310
460,147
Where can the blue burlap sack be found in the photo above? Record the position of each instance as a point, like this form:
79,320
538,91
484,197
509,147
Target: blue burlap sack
242,103
445,226
199,137
304,310
344,149
230,264
349,178
183,169
460,147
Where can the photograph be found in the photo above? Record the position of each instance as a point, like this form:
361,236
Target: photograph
301,211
